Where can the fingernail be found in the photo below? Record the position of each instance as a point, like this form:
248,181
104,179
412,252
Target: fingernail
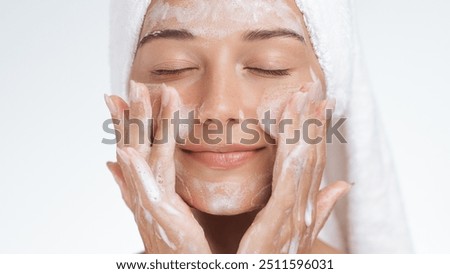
111,106
350,187
123,156
117,179
109,165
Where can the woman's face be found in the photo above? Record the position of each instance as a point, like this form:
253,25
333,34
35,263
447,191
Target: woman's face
232,63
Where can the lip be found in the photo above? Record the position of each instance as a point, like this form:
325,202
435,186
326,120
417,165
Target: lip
222,157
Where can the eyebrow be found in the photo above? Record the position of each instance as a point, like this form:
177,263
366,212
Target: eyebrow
254,35
268,34
177,34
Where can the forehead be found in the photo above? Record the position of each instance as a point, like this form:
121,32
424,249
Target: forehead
219,17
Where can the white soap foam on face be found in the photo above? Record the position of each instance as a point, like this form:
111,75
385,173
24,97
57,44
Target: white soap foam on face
233,195
206,18
227,196
220,196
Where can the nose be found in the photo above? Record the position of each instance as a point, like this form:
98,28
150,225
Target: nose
221,98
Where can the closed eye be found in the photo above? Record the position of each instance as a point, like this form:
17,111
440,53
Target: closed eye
268,72
161,72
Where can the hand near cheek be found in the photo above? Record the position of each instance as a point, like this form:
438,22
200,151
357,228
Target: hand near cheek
297,210
145,174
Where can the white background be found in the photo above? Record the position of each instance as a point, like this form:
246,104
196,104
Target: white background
56,195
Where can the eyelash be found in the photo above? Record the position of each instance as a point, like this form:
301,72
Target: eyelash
162,72
276,72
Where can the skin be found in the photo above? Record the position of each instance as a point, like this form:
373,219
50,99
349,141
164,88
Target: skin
269,204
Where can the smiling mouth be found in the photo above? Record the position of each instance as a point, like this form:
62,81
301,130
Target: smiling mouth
222,159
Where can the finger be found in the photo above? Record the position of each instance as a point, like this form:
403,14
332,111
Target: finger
315,88
162,154
152,195
116,171
308,200
306,181
140,118
326,200
124,163
146,193
147,188
168,216
146,225
140,174
289,150
299,158
291,153
326,108
172,204
319,113
117,107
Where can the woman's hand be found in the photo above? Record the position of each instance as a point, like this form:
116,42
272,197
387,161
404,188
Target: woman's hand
145,173
296,210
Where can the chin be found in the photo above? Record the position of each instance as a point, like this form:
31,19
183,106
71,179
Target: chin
227,197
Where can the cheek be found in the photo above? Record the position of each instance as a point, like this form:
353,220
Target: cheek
271,106
274,99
